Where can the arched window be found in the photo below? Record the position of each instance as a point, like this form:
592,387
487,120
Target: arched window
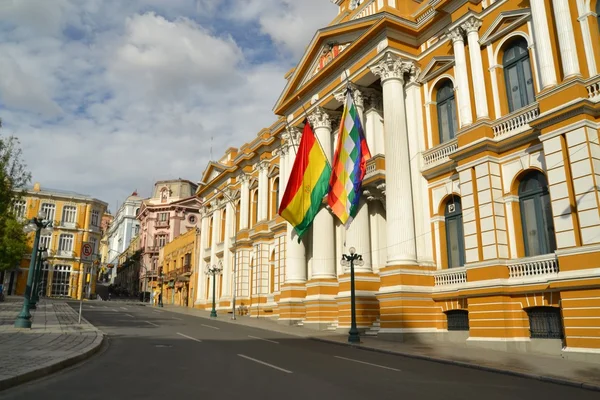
254,206
210,231
237,215
517,75
275,198
455,240
446,110
536,215
223,225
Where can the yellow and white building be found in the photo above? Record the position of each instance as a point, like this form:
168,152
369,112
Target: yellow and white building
177,260
479,222
76,219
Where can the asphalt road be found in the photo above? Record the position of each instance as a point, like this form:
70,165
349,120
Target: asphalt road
156,354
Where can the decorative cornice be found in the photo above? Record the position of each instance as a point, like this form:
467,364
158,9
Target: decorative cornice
392,67
319,119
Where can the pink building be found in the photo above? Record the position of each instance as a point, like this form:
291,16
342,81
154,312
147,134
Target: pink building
172,210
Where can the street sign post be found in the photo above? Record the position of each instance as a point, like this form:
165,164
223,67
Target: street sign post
87,251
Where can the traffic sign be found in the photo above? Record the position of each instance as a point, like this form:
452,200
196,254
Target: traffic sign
87,250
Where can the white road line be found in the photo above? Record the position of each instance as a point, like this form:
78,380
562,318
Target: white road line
178,319
157,311
123,308
189,337
364,362
129,315
266,340
264,363
92,307
151,323
210,326
114,309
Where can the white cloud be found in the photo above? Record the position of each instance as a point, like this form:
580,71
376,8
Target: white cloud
108,96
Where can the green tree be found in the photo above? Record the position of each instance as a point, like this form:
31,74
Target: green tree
13,178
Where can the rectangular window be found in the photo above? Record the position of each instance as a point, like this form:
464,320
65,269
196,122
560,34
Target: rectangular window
95,218
69,214
45,241
20,208
163,216
161,241
61,279
65,243
49,210
94,242
187,261
43,288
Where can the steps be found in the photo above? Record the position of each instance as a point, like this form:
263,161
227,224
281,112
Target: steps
374,329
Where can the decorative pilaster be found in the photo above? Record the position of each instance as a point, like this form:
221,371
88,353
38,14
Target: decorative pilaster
227,257
401,242
462,78
244,201
263,190
566,38
203,242
542,43
585,13
471,27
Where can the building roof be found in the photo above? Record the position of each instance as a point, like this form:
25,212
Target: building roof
36,189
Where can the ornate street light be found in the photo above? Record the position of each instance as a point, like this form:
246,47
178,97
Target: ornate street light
213,271
351,260
36,224
161,280
35,295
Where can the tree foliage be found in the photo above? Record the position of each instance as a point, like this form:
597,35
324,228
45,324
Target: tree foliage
13,178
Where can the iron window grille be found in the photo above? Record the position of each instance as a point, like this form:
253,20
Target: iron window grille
545,323
458,320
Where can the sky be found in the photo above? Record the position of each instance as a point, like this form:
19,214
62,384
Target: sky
109,96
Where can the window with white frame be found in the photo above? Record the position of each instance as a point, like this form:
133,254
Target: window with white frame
95,218
161,241
49,210
94,242
65,243
69,214
61,279
163,216
45,241
20,208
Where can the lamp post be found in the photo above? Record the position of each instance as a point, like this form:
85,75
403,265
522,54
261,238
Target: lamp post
213,271
235,224
161,281
35,296
35,225
352,259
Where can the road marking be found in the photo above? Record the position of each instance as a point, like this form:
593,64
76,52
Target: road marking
92,307
151,323
114,309
129,315
364,362
178,319
264,363
189,337
123,308
210,326
266,340
157,311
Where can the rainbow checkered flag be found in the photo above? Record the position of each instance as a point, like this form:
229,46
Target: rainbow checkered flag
349,164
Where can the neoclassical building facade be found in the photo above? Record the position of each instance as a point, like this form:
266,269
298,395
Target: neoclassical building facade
479,221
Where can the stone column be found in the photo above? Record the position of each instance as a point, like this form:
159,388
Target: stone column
584,15
359,236
542,43
227,258
471,26
566,38
374,123
200,279
263,190
216,215
244,201
283,155
323,233
462,78
400,215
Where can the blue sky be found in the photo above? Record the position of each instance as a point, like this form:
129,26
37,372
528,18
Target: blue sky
108,96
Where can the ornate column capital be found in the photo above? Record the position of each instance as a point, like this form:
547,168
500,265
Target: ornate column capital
472,24
244,178
291,136
392,67
284,149
319,119
455,35
357,95
262,165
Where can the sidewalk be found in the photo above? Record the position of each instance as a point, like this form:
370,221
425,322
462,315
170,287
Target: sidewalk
540,367
54,342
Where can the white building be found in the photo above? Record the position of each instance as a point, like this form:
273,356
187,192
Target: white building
124,228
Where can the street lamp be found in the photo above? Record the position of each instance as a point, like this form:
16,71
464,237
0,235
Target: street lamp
35,295
235,224
352,259
36,225
161,281
213,271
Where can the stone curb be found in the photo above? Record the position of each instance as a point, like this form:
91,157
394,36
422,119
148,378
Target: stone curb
544,378
50,369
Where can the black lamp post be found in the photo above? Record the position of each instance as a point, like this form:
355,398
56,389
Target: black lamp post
161,280
352,259
35,295
35,225
213,271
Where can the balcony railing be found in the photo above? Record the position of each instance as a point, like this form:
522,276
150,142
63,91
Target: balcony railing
450,277
65,253
151,249
534,266
369,8
593,89
162,224
440,153
68,225
516,122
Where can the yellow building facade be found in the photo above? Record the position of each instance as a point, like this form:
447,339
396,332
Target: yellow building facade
479,219
76,219
178,274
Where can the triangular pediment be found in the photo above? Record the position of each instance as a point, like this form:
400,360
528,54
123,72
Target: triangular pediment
213,170
273,171
436,67
504,23
189,202
325,56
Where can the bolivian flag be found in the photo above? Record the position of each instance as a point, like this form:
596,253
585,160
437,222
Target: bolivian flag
307,185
